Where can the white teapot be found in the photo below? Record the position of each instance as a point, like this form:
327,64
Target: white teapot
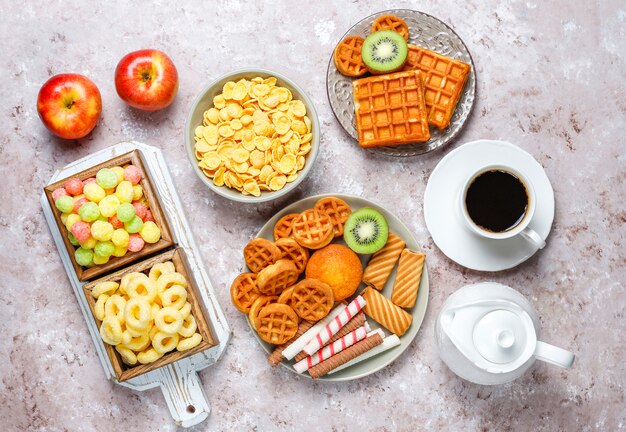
487,333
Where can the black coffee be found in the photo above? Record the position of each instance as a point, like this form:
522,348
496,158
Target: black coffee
496,200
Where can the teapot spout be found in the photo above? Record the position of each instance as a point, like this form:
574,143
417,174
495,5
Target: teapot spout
554,355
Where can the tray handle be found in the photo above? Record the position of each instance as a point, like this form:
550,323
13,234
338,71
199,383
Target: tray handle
185,397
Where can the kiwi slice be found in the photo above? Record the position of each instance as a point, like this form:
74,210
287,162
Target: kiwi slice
384,51
366,231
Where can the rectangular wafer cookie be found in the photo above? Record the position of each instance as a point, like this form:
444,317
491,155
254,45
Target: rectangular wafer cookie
383,311
408,278
381,263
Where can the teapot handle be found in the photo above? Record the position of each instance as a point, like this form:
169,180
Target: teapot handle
554,355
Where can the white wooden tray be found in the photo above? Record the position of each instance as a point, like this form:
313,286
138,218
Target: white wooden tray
179,381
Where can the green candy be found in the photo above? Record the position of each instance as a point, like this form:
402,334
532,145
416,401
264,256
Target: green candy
134,226
89,212
73,240
126,212
104,248
84,257
106,178
65,204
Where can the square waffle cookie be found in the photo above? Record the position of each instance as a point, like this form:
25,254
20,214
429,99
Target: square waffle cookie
444,79
390,109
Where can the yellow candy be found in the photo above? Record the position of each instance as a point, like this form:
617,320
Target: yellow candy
107,287
70,220
150,232
119,172
101,230
137,192
148,356
99,260
90,243
108,205
64,218
128,356
188,343
119,251
111,330
164,342
93,192
120,238
124,191
99,307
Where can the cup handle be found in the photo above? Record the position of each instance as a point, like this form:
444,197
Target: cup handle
533,237
554,355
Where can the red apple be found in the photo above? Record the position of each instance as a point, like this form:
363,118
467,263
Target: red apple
146,79
69,105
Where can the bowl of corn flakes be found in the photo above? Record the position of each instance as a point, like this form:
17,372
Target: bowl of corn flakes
252,135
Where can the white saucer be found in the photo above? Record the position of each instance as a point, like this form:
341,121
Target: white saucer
442,213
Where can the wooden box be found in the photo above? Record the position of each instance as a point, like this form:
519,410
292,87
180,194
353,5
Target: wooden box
114,263
177,256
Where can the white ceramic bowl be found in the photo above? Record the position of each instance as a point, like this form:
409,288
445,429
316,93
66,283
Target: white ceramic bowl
204,101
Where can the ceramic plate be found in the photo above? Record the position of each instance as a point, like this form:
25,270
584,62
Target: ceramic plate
378,362
425,31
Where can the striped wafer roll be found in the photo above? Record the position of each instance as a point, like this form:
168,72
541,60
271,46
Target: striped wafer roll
384,312
408,278
346,355
353,324
277,356
382,262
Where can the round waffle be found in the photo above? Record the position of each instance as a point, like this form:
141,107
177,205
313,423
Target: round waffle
291,250
260,253
285,297
348,58
391,22
259,304
276,323
282,228
244,292
337,210
312,229
312,299
275,278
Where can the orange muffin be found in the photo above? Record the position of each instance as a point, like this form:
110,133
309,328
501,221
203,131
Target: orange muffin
337,266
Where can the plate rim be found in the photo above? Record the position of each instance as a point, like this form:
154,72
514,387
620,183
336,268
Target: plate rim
417,319
429,148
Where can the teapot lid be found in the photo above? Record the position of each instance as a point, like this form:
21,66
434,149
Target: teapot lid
496,335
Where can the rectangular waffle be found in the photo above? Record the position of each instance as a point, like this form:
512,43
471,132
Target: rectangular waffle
390,109
444,79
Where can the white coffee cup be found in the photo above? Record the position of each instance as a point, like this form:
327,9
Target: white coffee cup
521,228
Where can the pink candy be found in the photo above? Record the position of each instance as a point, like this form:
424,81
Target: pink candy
140,209
81,231
113,220
58,193
79,202
74,186
89,180
149,217
132,174
135,243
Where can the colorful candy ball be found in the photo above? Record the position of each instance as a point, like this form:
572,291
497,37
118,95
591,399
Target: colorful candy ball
132,174
84,257
88,180
81,230
124,191
65,203
99,260
90,243
106,178
89,212
74,186
108,205
101,230
120,238
137,192
57,193
72,239
126,212
113,220
93,192
149,216
150,232
104,248
140,209
135,243
78,203
119,171
71,219
134,225
119,251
